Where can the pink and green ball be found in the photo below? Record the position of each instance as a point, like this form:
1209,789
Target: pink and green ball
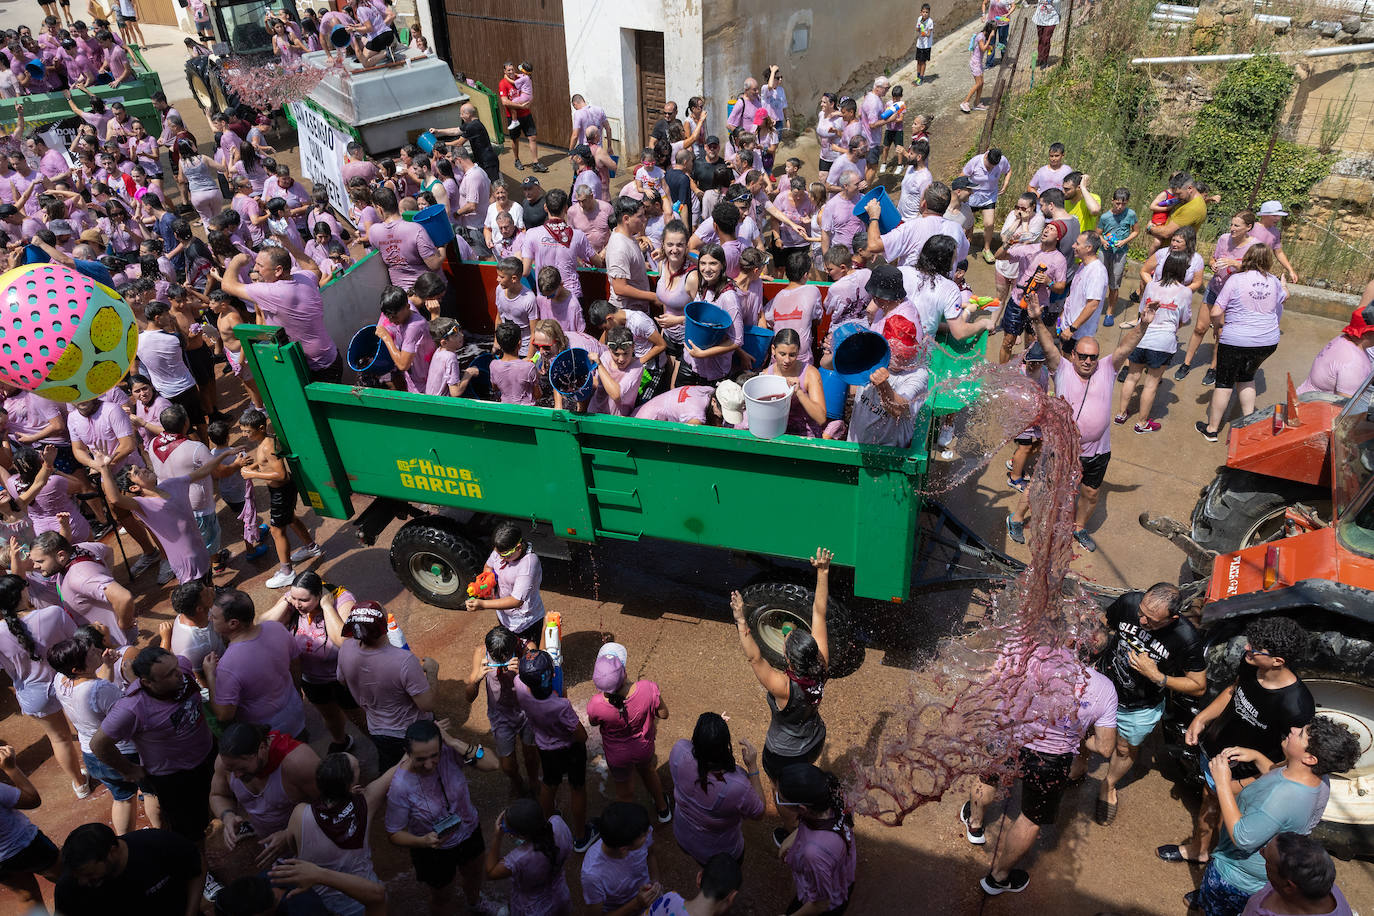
62,334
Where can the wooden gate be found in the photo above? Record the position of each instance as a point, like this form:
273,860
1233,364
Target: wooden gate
653,88
154,12
484,34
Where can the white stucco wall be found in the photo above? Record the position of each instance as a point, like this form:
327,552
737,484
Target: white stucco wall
600,34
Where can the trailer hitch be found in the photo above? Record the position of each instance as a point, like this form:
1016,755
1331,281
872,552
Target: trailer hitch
1179,535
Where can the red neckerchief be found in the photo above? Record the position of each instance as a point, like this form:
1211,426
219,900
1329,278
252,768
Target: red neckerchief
812,688
346,825
165,444
561,232
278,746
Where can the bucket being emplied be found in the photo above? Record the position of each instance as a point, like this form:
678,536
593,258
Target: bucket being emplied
573,374
888,219
858,352
427,141
338,37
836,393
367,354
435,221
706,324
756,341
767,400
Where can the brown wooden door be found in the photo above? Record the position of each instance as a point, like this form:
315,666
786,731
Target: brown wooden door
653,88
155,12
484,34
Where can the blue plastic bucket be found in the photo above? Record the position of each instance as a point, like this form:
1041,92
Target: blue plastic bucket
366,354
836,393
427,141
481,384
756,341
436,222
706,324
35,68
572,374
888,219
338,37
858,352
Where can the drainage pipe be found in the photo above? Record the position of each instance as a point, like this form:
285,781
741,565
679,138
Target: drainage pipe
1227,58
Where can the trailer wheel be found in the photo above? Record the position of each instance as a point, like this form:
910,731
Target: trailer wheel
775,609
434,561
198,81
1239,509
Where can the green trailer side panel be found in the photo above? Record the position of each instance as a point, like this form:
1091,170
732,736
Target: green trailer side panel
309,448
41,109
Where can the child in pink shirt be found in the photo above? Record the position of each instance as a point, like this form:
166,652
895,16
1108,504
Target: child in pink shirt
515,380
557,303
514,301
628,719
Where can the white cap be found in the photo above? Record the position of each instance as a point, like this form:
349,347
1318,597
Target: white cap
1272,208
730,396
616,649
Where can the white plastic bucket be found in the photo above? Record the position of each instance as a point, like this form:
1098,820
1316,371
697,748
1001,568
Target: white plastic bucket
768,400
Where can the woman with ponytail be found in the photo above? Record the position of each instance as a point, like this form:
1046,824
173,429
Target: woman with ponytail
821,851
713,796
628,721
538,886
24,642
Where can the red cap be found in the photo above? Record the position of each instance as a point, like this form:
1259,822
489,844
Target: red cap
1361,322
1060,226
366,621
759,116
902,336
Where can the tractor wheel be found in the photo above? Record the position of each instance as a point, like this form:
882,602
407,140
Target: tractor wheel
1239,509
198,81
434,561
776,608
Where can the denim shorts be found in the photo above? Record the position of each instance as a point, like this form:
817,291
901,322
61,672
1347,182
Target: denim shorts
1135,725
208,526
121,788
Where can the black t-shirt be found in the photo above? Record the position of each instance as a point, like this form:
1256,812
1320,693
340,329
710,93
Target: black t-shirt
1176,649
533,213
679,185
479,143
152,884
1258,718
660,131
704,173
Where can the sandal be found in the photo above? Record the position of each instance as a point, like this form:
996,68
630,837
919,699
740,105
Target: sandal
519,166
1127,325
1104,812
1173,853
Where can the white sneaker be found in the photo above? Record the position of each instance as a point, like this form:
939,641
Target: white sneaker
514,123
308,552
282,579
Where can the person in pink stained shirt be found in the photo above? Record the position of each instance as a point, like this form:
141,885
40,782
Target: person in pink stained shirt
447,377
543,845
289,297
494,670
514,301
405,334
592,216
392,685
822,852
405,247
557,303
712,795
86,586
627,715
252,681
798,306
1343,364
620,871
561,740
695,405
1050,175
514,380
1269,230
558,244
1088,383
162,713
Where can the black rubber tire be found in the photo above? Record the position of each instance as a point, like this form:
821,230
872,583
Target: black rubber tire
199,84
766,601
453,561
1235,502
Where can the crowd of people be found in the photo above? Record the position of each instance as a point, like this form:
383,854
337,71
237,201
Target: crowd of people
203,723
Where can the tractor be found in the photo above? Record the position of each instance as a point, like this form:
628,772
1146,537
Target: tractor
1287,527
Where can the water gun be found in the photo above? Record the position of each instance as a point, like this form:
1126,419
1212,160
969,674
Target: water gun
553,644
984,302
1032,288
1159,219
484,586
394,634
893,109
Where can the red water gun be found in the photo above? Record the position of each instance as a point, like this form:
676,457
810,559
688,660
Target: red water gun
484,586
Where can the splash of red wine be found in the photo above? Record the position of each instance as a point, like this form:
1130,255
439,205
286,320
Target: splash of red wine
270,86
993,689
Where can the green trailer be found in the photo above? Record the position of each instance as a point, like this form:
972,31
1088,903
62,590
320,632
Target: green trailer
589,478
46,108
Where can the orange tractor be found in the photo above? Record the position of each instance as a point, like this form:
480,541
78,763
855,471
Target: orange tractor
1287,527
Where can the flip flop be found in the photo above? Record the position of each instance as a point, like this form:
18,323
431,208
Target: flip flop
1171,853
1104,812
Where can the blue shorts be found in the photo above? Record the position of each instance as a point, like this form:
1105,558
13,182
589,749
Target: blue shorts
1135,725
1217,898
1150,359
121,788
1206,763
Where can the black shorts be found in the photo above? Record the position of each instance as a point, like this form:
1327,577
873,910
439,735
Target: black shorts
1044,777
685,376
201,363
281,504
892,137
390,750
1150,359
922,55
1014,318
1095,469
35,858
533,632
774,764
824,165
874,154
120,18
190,399
438,867
182,796
524,127
1239,364
382,42
570,761
332,692
331,373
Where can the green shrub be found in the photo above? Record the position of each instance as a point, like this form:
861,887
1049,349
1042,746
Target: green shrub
1253,91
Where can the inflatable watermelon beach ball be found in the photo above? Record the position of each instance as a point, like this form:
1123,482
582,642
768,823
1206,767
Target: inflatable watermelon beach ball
63,335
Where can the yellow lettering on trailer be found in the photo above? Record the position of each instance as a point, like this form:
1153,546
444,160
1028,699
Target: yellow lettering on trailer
432,477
